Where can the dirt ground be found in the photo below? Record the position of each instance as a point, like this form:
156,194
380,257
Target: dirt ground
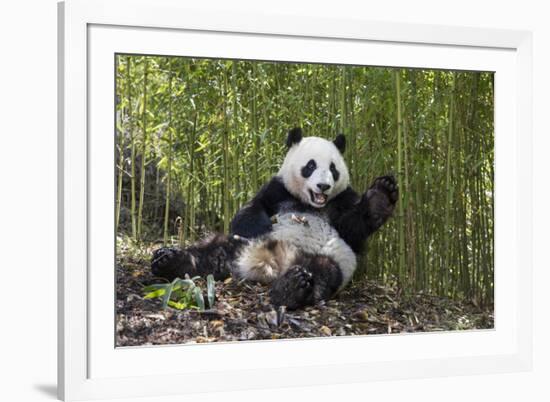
243,312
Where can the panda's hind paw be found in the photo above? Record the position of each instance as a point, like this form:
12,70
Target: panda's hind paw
167,262
294,289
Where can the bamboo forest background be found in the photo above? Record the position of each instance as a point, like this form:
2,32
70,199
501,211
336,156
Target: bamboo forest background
196,139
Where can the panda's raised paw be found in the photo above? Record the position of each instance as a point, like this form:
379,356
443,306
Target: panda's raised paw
388,185
294,289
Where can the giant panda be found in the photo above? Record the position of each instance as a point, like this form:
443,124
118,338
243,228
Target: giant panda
300,234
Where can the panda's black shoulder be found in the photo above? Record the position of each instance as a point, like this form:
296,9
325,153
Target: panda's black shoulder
273,194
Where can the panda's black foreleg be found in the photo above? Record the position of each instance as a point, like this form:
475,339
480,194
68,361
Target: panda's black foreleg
214,255
356,217
311,279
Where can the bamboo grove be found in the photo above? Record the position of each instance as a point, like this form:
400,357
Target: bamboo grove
196,138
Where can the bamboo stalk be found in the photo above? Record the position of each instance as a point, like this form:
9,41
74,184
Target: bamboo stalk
343,116
268,153
133,170
400,175
225,150
143,152
234,141
312,105
409,237
449,192
255,133
191,195
125,117
170,146
354,148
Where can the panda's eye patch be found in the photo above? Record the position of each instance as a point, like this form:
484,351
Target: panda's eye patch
308,169
334,171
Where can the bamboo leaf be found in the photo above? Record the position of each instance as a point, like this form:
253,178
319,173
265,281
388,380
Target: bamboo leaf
154,287
177,305
168,293
154,294
211,290
199,299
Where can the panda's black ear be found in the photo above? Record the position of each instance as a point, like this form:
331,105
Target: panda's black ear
294,136
340,142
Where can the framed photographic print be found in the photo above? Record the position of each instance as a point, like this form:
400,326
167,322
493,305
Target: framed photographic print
253,201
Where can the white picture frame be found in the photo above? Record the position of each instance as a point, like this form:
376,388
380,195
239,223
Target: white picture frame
91,32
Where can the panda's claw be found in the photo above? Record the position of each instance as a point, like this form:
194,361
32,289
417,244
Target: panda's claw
304,278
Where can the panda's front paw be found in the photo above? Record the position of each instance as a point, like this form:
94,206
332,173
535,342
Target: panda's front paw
168,262
387,185
378,202
294,289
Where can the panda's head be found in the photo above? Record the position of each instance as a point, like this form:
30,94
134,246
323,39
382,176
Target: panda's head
314,170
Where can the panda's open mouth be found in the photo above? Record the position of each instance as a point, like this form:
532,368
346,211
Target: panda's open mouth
319,199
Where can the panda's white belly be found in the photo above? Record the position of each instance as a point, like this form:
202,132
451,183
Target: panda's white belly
294,231
312,234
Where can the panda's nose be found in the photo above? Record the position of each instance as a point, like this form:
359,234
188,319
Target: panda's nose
323,186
